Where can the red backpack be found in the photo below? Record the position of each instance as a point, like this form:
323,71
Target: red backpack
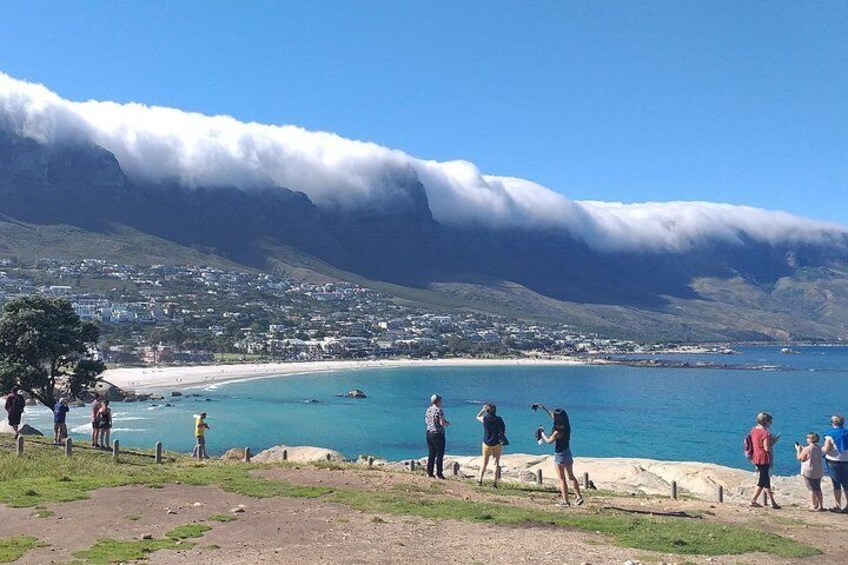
748,447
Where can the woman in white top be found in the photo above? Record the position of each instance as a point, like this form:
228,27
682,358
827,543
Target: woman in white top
812,469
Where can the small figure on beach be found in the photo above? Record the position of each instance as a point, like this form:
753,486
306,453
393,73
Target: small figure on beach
104,424
95,422
812,469
15,404
434,419
835,450
494,438
761,455
60,428
200,427
560,436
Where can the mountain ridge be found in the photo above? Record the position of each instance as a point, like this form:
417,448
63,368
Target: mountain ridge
400,248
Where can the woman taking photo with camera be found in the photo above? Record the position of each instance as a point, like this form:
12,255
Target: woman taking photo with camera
560,436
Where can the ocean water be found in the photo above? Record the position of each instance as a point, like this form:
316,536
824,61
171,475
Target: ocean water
690,414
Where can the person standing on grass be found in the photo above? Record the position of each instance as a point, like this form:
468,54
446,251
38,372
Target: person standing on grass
836,457
200,427
560,436
15,404
434,419
494,436
104,424
763,456
95,421
60,428
812,470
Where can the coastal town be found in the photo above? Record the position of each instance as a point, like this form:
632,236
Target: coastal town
182,314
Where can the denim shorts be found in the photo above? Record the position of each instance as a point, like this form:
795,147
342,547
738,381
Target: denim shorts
838,472
563,457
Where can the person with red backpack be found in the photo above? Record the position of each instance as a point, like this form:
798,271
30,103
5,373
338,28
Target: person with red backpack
15,404
759,445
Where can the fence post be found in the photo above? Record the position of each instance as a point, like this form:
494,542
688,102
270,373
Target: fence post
285,455
370,461
159,452
329,457
412,465
674,490
455,469
538,476
586,481
247,455
69,446
116,450
720,493
19,446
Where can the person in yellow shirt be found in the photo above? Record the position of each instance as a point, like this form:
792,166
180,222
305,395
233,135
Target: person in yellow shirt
200,427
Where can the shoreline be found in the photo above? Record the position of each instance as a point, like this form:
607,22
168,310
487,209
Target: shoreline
188,376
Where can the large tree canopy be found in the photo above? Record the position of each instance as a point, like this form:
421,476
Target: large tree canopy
45,348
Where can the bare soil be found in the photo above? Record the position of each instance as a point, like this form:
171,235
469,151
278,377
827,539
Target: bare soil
282,530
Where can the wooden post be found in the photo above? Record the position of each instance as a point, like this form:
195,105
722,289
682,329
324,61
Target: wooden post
329,457
586,481
247,455
765,499
674,490
370,461
412,465
69,446
159,452
116,450
720,493
285,455
538,476
455,469
19,446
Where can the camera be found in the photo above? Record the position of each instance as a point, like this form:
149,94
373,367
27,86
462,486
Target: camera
535,406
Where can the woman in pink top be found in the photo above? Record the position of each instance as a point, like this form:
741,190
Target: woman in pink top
763,443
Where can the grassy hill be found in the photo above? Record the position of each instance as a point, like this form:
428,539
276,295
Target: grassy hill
59,507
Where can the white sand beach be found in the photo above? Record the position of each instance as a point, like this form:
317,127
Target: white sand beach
151,378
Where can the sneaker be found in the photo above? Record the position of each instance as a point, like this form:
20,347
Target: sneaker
479,483
441,477
563,504
579,501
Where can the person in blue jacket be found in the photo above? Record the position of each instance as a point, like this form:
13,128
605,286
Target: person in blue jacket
835,450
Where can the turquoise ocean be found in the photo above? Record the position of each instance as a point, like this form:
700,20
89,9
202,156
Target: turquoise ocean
692,414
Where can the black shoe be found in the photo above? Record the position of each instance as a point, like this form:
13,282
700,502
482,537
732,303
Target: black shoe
441,477
431,475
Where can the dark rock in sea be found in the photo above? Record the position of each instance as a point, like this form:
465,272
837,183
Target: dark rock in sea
356,393
176,393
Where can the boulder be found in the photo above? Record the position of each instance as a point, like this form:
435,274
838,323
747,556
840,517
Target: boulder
356,393
298,453
234,454
24,430
107,391
176,393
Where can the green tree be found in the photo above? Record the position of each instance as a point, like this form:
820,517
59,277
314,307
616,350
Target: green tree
44,346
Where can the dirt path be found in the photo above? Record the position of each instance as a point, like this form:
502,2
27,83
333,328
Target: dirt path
282,530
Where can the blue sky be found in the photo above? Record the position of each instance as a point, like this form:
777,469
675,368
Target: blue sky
745,103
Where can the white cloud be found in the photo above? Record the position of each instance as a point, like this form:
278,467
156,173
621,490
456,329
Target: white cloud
155,144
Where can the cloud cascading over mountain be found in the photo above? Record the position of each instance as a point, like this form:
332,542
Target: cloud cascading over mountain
156,145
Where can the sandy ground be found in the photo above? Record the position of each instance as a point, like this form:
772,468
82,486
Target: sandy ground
280,530
146,378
